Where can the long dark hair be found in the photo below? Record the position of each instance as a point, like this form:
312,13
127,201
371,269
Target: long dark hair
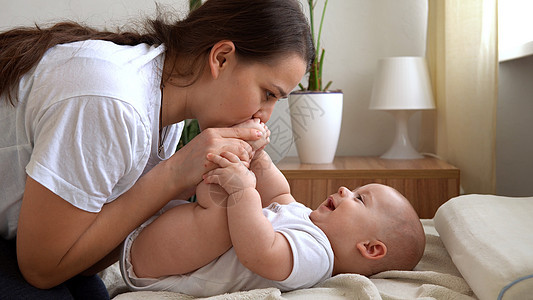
262,30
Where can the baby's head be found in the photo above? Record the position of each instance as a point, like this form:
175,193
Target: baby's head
371,229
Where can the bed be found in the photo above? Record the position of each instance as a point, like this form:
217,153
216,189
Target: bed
477,247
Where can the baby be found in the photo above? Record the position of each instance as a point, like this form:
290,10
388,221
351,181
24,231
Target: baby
246,231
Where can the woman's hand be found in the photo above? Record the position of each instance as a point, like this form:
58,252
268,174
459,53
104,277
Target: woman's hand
188,164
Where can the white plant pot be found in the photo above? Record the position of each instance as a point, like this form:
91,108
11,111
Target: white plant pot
316,124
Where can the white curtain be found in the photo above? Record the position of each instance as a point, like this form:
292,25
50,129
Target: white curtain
463,59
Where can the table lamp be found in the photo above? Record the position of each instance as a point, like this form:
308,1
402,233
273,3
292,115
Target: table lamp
401,87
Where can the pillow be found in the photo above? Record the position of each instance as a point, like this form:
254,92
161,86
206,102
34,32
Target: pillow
490,240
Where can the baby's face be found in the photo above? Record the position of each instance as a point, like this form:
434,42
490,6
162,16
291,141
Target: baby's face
356,215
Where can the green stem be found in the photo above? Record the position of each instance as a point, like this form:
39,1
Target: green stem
318,42
311,17
320,68
313,83
321,23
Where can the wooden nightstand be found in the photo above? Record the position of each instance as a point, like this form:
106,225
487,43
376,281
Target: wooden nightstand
427,182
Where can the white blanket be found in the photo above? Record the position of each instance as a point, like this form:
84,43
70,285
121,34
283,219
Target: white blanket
435,277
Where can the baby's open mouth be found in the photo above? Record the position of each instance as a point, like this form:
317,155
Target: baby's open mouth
330,204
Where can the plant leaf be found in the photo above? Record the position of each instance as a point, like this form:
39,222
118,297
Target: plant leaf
194,4
327,86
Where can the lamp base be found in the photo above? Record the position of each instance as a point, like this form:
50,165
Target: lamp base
401,148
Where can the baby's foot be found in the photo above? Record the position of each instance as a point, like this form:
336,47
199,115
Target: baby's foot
257,124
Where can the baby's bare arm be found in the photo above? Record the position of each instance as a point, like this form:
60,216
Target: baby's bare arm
257,245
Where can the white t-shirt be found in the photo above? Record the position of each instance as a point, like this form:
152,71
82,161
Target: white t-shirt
84,126
311,250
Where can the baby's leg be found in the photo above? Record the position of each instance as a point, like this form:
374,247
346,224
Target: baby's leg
185,237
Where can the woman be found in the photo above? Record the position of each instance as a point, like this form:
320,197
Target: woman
90,121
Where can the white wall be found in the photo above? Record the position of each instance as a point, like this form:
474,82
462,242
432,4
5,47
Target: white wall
97,13
514,128
356,34
514,24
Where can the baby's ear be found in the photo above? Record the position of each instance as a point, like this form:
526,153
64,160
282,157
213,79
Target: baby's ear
372,249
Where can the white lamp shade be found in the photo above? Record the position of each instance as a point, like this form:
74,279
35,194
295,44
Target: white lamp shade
402,83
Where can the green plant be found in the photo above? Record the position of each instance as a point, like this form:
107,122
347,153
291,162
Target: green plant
315,72
190,130
194,4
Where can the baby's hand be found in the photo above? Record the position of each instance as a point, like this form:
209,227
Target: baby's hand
261,143
233,176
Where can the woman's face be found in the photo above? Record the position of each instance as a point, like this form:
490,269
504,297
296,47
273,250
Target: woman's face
248,90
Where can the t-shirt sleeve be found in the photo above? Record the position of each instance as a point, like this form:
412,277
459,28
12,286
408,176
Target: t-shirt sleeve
85,147
312,262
